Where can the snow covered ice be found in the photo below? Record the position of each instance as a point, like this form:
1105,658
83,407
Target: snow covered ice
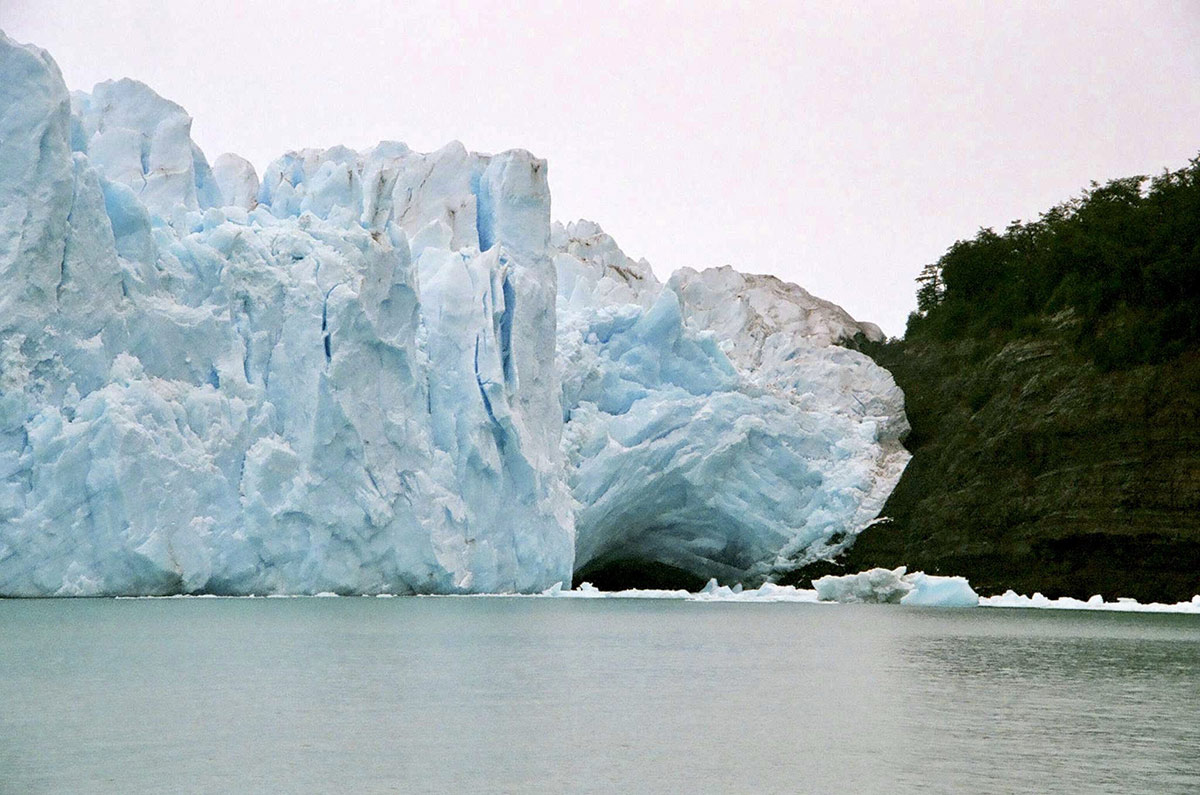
386,372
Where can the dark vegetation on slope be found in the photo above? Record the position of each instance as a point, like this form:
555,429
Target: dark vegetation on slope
1052,380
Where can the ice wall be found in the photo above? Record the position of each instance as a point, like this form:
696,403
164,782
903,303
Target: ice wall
385,371
328,386
713,424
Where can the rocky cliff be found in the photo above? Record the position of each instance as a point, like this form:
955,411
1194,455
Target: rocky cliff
1034,470
1052,381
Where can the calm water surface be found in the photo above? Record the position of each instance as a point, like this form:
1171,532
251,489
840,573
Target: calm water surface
358,695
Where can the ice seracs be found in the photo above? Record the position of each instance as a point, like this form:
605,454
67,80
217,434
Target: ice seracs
267,395
237,181
135,137
386,371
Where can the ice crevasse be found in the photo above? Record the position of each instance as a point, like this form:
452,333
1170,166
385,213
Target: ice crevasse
387,372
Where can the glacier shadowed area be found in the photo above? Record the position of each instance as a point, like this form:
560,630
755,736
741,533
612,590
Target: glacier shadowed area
386,371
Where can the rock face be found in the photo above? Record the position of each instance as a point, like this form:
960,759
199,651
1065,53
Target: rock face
1034,470
386,371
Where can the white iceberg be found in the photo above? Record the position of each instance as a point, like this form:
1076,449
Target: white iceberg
929,590
894,586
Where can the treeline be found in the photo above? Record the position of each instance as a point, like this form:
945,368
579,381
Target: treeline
1124,257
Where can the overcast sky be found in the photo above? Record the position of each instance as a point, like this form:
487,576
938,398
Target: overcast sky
838,145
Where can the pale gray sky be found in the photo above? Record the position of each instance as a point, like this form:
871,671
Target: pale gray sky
839,145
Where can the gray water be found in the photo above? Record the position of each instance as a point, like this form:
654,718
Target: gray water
359,695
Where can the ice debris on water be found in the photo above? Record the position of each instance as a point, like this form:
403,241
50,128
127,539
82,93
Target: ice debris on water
1096,602
879,586
712,592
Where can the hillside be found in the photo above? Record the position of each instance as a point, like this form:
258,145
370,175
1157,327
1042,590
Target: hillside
1052,380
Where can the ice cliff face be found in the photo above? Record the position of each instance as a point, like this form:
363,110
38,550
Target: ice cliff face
385,371
711,424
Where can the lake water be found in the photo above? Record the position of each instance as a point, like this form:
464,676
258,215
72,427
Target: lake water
357,695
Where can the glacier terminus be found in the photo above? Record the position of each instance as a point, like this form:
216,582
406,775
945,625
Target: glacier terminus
387,371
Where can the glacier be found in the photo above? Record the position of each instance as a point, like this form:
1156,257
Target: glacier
387,371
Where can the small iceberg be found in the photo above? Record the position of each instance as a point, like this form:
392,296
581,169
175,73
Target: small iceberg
895,586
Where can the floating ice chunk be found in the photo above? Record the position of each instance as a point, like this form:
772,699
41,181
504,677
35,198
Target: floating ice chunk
877,586
932,591
894,586
715,592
